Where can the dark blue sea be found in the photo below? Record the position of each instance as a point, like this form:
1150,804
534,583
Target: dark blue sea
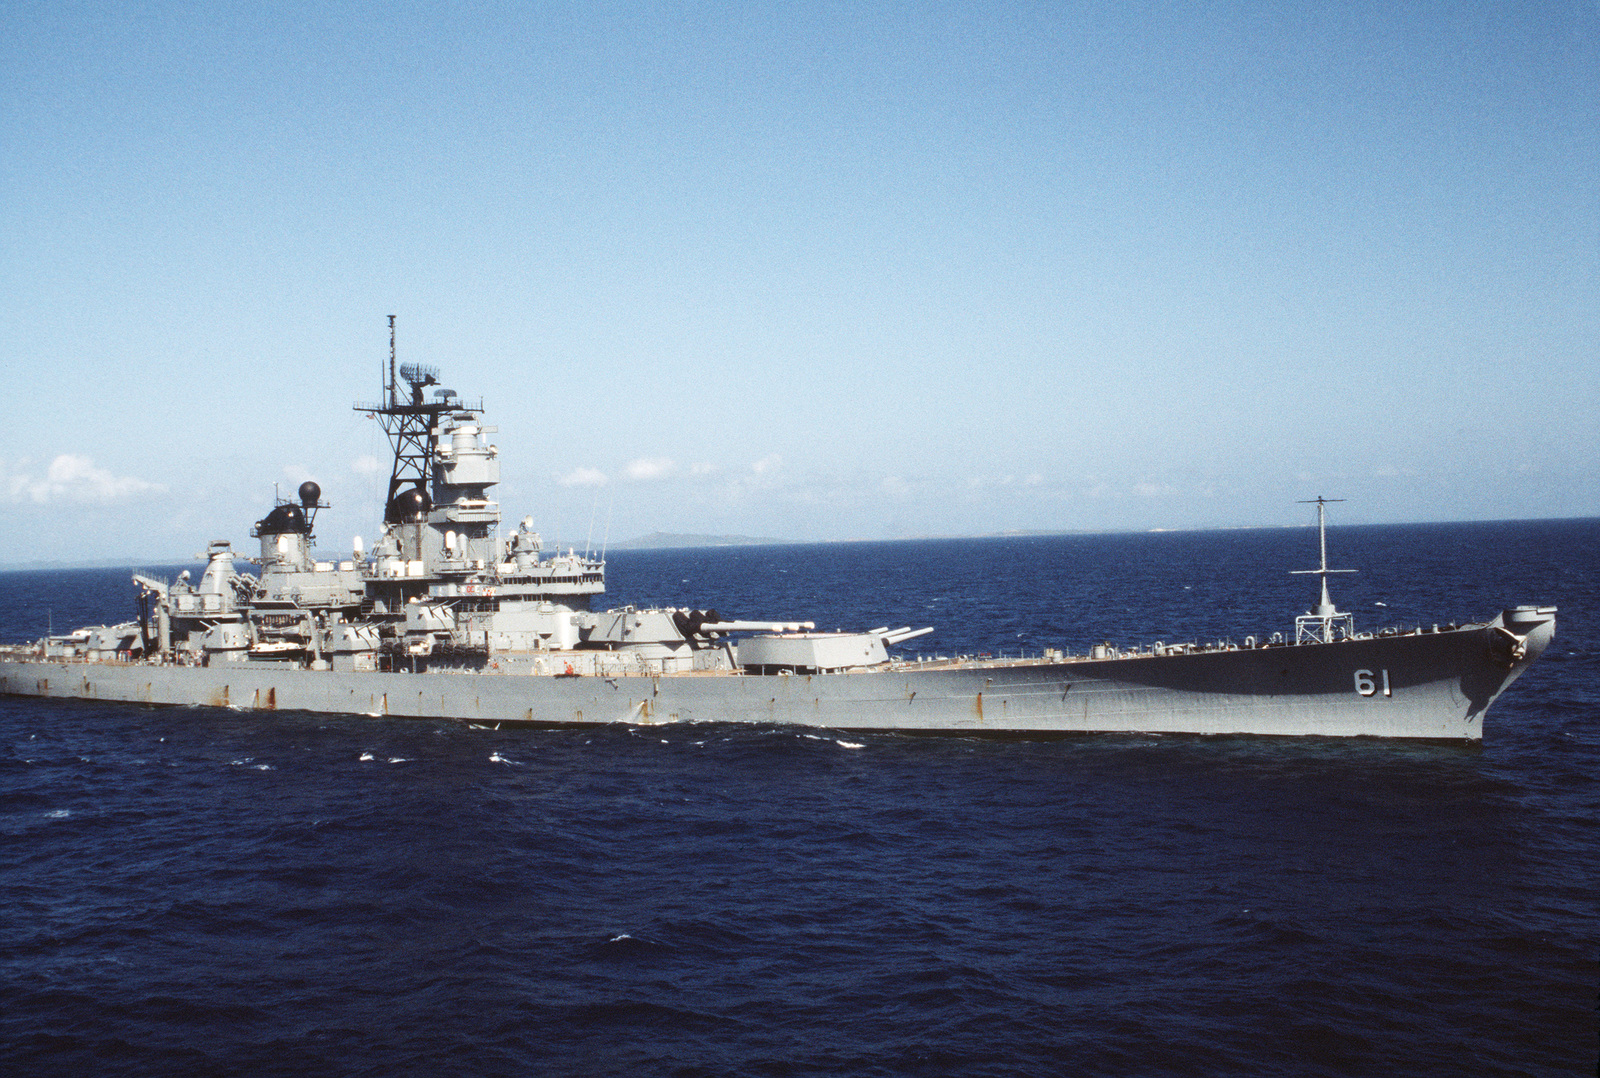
191,891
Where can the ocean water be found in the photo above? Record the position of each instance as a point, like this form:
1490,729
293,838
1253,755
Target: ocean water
193,891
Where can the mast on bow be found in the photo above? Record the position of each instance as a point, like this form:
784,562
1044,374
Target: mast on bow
1321,625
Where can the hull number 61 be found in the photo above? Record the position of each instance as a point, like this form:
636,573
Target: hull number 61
1367,687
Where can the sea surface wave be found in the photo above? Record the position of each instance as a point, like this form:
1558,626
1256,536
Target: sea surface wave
196,891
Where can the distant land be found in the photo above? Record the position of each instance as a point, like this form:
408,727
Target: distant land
130,564
675,540
653,541
682,540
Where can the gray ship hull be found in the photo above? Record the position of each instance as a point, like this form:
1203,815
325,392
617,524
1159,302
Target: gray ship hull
1423,685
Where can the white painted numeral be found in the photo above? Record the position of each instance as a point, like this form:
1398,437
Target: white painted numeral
1366,686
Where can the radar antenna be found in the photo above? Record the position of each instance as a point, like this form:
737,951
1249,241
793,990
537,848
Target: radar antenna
417,376
1317,627
389,397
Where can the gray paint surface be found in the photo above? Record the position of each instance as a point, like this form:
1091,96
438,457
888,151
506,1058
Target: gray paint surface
1428,685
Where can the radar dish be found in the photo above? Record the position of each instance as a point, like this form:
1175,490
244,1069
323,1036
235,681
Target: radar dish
419,375
409,505
283,519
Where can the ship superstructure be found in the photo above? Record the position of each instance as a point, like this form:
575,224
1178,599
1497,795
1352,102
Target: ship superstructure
441,589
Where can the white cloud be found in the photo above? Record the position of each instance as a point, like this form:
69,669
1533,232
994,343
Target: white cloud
70,477
648,468
767,464
980,482
583,477
702,469
366,465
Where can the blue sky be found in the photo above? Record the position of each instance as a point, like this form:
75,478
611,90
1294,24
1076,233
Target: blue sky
818,271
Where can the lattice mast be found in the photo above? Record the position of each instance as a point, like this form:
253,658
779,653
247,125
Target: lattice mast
410,423
1319,625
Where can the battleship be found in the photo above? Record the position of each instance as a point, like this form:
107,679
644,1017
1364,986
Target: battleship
447,618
